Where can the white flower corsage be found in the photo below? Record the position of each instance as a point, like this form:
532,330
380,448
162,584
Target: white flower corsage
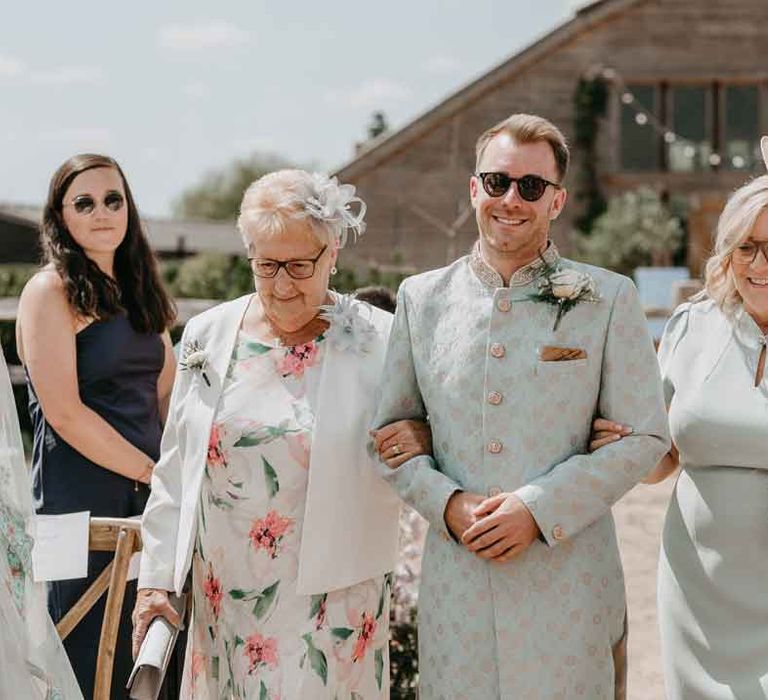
194,359
348,330
331,202
564,288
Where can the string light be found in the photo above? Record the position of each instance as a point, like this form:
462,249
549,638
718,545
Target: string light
644,118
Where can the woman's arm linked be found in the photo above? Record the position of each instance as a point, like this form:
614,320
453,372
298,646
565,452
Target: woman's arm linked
605,431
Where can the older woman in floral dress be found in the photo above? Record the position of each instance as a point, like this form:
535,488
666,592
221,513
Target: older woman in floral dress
265,488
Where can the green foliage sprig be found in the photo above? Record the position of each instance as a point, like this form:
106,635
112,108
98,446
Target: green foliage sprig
590,104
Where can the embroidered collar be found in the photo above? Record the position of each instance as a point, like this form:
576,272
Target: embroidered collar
525,275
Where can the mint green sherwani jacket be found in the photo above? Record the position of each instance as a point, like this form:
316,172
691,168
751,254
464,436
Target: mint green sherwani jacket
465,351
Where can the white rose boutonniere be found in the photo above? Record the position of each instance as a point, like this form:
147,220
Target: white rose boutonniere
194,359
348,330
564,288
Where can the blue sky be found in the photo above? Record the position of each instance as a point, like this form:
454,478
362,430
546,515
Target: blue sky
175,88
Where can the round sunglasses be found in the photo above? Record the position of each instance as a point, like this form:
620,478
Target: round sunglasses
85,204
530,187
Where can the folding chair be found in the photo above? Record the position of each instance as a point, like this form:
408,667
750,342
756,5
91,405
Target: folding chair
123,537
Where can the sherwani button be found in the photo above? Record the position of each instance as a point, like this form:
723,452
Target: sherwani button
504,304
558,533
495,446
495,398
498,350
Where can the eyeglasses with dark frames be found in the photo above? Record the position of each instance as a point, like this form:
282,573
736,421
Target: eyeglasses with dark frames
85,204
746,253
298,269
531,188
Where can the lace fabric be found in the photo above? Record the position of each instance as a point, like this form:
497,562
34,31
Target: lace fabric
32,657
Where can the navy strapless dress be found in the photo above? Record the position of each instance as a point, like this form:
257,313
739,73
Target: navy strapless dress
117,370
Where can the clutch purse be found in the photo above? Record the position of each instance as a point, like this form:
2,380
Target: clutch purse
148,672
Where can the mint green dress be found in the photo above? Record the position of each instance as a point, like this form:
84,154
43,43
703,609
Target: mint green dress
713,570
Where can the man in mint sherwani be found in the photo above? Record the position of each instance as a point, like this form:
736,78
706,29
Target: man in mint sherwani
511,351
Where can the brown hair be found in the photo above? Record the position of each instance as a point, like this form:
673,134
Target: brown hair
528,128
136,289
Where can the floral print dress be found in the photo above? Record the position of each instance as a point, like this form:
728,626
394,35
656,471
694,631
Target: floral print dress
253,635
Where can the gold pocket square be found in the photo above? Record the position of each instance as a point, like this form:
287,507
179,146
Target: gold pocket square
553,353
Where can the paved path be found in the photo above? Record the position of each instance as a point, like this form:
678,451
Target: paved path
639,519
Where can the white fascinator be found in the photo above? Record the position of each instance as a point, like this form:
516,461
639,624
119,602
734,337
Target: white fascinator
337,205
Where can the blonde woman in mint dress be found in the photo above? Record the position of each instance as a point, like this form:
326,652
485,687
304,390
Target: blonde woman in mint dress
713,607
265,489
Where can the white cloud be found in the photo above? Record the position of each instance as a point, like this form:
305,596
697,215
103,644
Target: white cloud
69,75
441,64
199,36
10,67
372,94
79,138
196,90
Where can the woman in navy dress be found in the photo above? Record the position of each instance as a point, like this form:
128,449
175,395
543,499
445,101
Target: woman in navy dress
92,333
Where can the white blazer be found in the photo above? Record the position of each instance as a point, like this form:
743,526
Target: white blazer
351,516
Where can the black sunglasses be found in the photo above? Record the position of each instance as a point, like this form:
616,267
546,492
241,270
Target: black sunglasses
530,187
266,268
85,204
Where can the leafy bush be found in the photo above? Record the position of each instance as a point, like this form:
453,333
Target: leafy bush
208,276
637,229
14,277
403,658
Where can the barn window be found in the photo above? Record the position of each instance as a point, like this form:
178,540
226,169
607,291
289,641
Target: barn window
712,126
691,119
741,127
639,143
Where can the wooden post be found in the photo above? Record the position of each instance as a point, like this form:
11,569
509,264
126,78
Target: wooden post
106,659
80,609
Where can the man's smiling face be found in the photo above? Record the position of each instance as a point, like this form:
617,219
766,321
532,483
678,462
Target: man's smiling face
509,225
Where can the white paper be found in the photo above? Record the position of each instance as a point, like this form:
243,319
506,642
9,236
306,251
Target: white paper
61,547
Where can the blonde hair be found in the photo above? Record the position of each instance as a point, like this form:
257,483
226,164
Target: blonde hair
734,226
274,202
528,128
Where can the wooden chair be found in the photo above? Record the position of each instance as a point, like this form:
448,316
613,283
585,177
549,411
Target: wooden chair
123,537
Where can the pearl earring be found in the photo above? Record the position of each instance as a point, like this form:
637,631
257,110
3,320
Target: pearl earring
334,270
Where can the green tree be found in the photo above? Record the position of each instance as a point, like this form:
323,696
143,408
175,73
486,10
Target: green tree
636,229
378,125
219,193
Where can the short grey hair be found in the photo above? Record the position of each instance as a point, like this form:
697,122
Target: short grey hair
274,202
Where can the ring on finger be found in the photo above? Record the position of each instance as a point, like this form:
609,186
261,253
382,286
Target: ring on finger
396,449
